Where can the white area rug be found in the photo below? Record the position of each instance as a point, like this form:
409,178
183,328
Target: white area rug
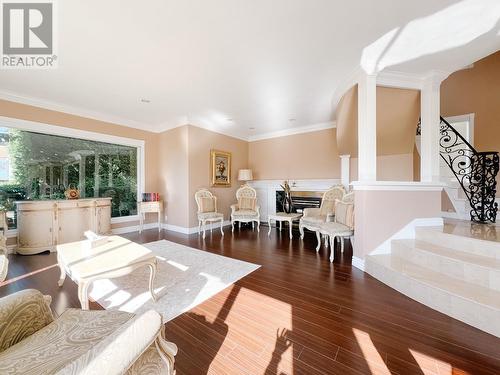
186,277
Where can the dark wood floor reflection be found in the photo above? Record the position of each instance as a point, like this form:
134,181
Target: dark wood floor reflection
297,314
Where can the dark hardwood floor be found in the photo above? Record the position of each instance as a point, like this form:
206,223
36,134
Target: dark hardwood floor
297,314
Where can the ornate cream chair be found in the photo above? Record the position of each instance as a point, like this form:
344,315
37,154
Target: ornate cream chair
315,216
207,210
246,210
79,342
342,226
4,262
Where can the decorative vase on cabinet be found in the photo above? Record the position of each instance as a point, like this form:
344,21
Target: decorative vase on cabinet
41,225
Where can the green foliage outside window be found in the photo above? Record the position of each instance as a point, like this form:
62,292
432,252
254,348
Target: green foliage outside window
43,166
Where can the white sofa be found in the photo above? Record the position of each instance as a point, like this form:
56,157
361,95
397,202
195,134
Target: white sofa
79,342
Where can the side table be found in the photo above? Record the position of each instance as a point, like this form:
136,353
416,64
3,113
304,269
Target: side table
144,207
281,217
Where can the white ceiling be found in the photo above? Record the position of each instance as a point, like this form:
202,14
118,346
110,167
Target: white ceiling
259,63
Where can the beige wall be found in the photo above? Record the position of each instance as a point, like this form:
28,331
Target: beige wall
398,111
173,174
477,90
389,168
347,123
200,142
301,156
395,167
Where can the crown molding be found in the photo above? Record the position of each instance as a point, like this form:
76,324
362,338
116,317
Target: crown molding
120,121
166,127
398,79
76,111
293,131
257,137
393,78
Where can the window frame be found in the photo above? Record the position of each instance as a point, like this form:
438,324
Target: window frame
40,127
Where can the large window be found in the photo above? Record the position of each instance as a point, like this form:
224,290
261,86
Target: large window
42,166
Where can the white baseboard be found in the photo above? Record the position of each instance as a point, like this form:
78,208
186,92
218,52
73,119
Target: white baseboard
171,227
133,228
358,263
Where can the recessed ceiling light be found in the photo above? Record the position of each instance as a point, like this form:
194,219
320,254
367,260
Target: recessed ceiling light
143,100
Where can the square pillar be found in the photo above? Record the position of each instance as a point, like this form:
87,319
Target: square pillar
345,177
367,128
430,133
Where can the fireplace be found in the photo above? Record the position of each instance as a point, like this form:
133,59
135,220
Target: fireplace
300,200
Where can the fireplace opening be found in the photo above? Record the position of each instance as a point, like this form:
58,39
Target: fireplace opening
300,200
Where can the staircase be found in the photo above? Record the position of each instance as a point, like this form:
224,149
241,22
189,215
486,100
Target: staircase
454,269
469,175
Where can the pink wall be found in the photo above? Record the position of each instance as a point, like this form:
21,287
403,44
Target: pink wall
379,214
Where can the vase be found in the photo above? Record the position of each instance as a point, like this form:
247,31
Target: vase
287,204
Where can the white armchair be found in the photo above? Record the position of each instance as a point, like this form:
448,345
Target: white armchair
313,217
247,209
207,210
342,227
110,342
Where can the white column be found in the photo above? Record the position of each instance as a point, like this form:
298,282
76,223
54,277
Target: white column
367,128
430,119
345,177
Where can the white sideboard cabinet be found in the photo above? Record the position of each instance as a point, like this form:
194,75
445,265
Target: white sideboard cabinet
42,225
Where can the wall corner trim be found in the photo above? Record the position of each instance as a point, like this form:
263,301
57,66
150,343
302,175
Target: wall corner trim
293,131
358,263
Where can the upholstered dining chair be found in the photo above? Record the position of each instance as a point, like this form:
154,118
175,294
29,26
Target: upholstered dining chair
246,210
314,216
341,227
207,210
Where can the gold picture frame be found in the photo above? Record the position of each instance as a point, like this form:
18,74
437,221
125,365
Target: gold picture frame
220,167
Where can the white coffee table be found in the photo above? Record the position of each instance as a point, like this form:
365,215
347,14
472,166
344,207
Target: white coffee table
281,217
117,257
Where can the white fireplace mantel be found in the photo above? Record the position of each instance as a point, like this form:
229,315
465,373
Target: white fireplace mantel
266,191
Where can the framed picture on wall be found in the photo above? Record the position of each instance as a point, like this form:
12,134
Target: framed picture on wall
220,165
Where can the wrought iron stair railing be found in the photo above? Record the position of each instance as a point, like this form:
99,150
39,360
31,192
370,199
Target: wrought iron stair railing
475,171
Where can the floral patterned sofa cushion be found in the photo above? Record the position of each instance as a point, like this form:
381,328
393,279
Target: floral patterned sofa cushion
70,336
79,342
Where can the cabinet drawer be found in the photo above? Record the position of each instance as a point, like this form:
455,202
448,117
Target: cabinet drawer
149,206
